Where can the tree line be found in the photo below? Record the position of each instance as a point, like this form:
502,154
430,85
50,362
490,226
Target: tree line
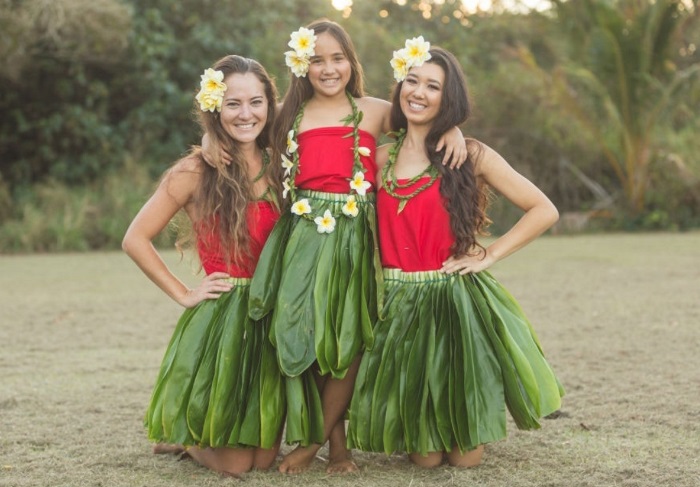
596,100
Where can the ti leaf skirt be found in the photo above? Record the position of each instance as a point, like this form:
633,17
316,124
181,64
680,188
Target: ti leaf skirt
219,383
322,292
450,355
322,288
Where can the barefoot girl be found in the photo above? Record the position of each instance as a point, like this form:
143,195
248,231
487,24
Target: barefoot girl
453,348
219,392
319,274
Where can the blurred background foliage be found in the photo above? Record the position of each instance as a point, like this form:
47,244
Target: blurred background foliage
596,101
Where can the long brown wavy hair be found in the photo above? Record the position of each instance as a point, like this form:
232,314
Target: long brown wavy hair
466,198
225,191
300,89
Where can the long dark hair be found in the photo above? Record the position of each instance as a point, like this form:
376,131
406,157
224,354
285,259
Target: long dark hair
300,89
222,199
465,197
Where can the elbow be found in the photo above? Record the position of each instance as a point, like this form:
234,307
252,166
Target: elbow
128,243
554,214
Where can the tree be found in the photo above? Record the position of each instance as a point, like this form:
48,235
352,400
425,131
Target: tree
620,80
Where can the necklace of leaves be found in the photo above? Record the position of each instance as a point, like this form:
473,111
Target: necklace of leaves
390,182
263,168
292,167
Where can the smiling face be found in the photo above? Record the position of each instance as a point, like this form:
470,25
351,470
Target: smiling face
421,93
329,69
244,109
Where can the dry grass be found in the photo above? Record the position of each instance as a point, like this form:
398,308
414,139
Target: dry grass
82,337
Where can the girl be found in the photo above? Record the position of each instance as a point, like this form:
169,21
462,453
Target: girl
219,391
319,274
453,348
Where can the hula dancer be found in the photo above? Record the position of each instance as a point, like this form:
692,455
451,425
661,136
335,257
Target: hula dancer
319,274
453,349
219,392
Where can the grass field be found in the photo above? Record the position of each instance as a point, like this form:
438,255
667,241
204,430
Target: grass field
81,338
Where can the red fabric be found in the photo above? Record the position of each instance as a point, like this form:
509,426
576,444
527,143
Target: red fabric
326,158
262,216
419,238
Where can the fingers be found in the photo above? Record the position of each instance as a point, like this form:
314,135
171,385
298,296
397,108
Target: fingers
448,156
226,158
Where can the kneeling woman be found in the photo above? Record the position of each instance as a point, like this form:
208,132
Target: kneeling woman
453,349
219,393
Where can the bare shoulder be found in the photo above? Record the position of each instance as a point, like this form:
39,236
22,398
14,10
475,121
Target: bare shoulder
376,115
182,179
485,158
373,104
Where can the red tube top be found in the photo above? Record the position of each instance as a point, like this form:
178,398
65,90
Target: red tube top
326,158
419,238
261,216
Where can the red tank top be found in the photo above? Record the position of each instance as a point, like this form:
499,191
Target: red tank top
326,158
419,238
261,216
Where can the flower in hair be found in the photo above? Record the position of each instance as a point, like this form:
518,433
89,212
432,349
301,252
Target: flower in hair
211,90
303,43
414,53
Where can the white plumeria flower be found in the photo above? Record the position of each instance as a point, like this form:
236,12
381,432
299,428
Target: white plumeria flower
400,64
211,92
298,64
359,184
364,151
287,188
417,51
213,81
325,223
301,207
209,101
303,42
287,165
350,207
291,143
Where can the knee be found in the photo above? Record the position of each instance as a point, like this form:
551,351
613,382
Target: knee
471,458
431,460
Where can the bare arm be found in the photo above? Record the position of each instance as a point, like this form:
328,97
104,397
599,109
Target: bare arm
173,193
540,214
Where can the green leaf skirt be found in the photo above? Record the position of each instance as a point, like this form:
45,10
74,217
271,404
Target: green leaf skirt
323,290
219,383
450,355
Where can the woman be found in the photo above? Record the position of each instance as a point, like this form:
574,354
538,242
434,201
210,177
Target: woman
219,393
453,349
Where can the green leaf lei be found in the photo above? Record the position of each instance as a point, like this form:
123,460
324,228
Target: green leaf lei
355,118
391,184
265,163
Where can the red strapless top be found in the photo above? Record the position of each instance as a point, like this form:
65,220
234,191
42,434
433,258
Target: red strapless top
419,238
261,216
326,158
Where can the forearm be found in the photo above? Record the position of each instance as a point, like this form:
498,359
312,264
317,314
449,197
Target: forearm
144,254
530,226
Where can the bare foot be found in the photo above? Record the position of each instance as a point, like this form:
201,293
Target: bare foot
342,465
167,448
299,460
